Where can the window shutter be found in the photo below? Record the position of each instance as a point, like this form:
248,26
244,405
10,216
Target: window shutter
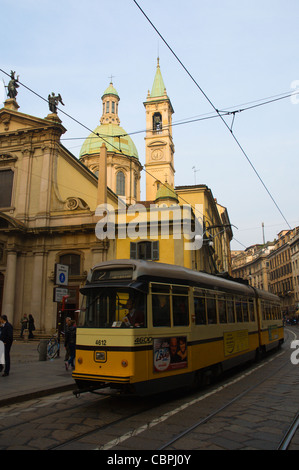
133,250
155,250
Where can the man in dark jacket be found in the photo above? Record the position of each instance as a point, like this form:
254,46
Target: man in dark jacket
7,338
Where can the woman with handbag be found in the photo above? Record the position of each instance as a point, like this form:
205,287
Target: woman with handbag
31,326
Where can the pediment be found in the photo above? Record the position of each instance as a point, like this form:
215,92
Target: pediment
14,121
7,222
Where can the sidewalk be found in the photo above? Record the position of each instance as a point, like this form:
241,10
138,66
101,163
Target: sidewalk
29,377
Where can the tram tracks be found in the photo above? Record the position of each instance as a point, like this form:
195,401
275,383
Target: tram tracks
290,433
120,441
35,417
120,419
216,412
157,421
287,437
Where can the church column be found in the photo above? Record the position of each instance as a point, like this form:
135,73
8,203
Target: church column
10,286
37,289
24,184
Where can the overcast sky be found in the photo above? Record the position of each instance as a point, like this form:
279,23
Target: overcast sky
238,52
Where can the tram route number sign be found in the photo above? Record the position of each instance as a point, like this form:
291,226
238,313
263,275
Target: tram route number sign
61,274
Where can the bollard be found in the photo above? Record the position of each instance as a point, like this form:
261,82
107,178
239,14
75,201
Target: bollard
26,335
42,349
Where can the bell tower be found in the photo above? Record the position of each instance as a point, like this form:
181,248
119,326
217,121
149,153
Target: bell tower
159,148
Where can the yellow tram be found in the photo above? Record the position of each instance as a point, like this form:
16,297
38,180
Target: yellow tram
148,327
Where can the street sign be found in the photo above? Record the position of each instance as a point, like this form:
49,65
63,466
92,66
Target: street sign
61,274
59,293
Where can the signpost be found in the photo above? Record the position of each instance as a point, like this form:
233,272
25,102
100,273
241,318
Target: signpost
60,294
61,274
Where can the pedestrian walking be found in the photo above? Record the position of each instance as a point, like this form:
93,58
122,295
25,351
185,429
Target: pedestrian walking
2,356
71,341
31,326
68,323
7,338
24,324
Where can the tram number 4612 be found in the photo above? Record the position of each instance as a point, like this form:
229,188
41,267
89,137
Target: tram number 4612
101,342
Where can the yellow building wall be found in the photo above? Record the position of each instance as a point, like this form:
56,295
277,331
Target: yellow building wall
76,184
171,250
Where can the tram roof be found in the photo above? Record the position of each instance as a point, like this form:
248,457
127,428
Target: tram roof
162,272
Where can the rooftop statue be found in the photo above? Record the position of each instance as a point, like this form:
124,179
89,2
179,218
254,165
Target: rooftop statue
13,85
53,102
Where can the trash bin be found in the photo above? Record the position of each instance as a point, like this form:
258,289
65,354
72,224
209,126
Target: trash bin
42,349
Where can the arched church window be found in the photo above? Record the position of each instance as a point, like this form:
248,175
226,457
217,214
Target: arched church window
120,184
72,260
157,123
113,107
6,182
107,107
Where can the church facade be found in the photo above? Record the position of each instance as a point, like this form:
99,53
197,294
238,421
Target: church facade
50,200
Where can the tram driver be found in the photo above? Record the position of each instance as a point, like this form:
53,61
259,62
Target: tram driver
134,317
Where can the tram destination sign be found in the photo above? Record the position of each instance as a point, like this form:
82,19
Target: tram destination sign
61,274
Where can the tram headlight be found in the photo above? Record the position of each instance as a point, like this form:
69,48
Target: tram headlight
124,363
80,360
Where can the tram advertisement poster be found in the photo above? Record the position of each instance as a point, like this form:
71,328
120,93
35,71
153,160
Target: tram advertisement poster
170,353
235,342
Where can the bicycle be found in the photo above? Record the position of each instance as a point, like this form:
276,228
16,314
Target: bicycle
53,347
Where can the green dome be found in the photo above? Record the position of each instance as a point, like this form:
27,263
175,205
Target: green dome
109,132
110,91
166,191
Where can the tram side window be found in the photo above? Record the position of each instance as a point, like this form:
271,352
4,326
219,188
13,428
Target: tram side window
200,310
211,308
245,310
180,306
230,310
221,309
239,310
266,309
161,305
265,313
251,310
270,312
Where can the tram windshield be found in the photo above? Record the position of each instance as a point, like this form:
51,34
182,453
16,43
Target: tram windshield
113,308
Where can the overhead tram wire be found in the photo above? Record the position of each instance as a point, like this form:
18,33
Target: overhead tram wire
97,135
204,117
217,111
101,137
61,111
